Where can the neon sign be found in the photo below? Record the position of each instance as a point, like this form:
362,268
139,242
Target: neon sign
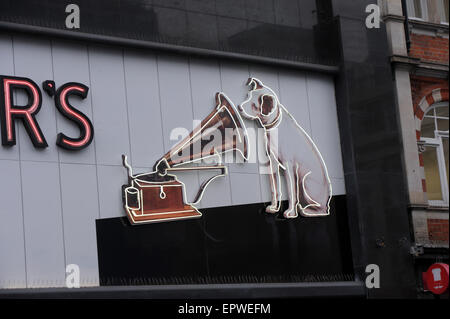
10,111
159,196
308,184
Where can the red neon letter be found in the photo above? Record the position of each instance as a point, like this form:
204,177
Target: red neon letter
9,111
67,110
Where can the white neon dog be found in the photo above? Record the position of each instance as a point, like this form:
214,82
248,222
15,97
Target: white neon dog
289,147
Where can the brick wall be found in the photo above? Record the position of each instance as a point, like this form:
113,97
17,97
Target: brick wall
422,85
438,230
429,48
430,228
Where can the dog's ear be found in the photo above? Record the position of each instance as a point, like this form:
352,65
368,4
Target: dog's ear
267,103
254,84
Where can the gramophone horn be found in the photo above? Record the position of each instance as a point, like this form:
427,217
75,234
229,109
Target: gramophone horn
228,133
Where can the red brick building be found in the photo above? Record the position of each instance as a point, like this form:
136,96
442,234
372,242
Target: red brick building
418,32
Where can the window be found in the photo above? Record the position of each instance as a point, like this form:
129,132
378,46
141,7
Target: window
417,9
442,7
434,138
435,11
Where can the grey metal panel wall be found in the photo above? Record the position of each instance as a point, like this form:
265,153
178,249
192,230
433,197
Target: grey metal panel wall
43,223
12,241
51,198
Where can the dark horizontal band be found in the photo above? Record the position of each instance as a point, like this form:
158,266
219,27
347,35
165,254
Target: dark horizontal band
263,290
11,26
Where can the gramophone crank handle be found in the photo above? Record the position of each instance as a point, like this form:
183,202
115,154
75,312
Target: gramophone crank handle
128,167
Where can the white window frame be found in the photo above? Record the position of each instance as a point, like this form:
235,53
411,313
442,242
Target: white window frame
412,10
436,143
441,8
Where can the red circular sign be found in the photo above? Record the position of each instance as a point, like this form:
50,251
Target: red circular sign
437,278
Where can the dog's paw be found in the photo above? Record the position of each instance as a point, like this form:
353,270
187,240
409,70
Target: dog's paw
290,214
271,209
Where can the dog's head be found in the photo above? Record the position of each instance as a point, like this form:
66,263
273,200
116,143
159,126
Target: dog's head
261,101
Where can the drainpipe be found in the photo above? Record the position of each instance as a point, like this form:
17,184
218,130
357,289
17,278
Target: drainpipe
406,25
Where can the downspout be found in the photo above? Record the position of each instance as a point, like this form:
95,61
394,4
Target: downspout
406,25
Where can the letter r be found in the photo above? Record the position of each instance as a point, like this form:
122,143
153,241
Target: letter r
9,111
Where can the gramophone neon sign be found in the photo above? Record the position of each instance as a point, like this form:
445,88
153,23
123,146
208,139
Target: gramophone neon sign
159,196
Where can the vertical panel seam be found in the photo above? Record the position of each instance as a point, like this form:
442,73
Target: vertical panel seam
219,62
21,180
126,105
279,86
160,101
192,104
156,77
95,156
59,167
309,104
93,121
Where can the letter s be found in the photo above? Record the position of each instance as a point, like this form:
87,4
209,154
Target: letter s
68,111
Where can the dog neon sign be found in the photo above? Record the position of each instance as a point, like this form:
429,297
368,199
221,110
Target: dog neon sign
308,184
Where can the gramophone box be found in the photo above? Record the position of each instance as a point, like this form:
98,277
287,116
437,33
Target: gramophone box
150,199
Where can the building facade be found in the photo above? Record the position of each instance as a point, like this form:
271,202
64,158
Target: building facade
418,35
137,77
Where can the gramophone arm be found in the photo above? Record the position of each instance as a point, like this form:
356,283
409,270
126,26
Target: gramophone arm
202,189
198,197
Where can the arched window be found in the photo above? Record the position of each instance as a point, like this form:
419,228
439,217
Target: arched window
434,139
